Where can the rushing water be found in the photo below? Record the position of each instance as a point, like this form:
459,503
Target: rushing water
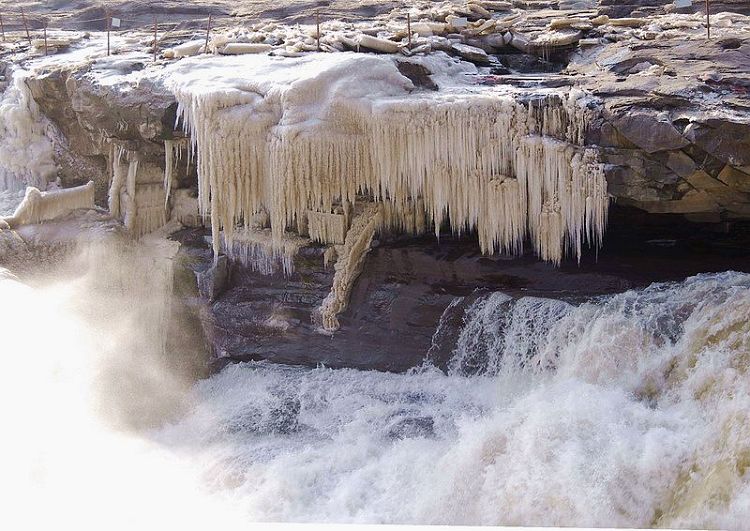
627,410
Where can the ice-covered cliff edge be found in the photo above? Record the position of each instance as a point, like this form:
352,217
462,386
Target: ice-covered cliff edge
296,137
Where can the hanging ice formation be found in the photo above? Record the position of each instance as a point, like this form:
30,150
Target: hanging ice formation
172,156
256,249
298,146
351,258
26,148
133,196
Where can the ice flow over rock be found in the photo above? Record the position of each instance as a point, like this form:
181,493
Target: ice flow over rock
311,134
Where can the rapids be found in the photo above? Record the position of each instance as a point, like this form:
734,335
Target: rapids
626,410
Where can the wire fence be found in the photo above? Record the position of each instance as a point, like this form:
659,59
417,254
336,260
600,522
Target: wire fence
19,21
20,26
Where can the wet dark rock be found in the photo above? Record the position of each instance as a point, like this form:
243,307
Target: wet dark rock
526,63
418,74
213,281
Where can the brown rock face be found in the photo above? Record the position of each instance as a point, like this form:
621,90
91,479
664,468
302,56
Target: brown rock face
648,132
408,284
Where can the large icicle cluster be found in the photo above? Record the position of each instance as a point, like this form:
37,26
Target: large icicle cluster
317,132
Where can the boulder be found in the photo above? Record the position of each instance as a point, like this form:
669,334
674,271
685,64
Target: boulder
649,133
727,141
471,53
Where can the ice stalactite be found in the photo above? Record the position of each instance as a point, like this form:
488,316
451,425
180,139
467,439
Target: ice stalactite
26,147
172,155
326,228
141,205
118,173
38,206
508,166
256,249
403,219
351,258
150,211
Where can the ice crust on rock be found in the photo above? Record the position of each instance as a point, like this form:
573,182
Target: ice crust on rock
38,206
289,136
351,258
26,148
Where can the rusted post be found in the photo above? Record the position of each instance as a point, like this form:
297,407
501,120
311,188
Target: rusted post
317,24
109,29
2,26
46,51
26,25
708,19
408,27
208,33
155,37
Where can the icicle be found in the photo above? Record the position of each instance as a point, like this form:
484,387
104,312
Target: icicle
257,249
326,228
119,176
172,155
149,209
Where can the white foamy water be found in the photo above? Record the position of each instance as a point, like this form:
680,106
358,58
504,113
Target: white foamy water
631,410
627,411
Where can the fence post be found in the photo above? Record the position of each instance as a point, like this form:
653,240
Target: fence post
46,50
708,20
109,28
155,37
208,33
317,24
26,25
408,27
2,26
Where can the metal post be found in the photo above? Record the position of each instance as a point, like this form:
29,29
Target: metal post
317,23
155,37
208,32
2,26
26,25
109,29
708,20
46,51
408,27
